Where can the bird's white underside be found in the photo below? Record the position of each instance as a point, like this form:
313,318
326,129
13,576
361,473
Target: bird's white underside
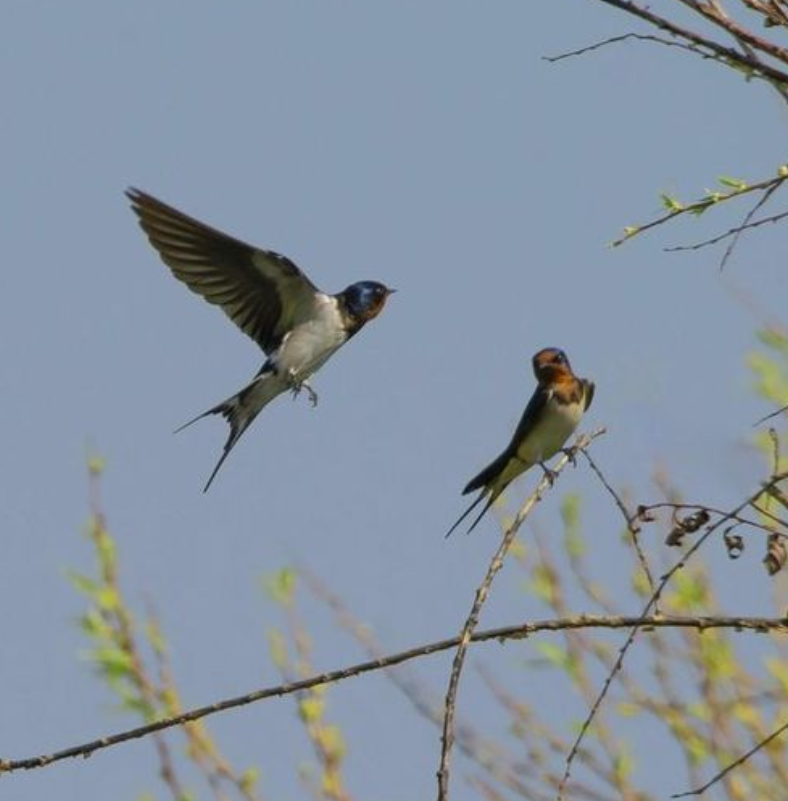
307,347
558,423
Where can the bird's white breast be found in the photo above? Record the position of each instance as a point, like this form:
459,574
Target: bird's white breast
307,347
557,423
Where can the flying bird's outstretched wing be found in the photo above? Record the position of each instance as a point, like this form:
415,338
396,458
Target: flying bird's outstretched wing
263,293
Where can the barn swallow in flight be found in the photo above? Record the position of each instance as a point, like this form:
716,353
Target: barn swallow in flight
549,419
268,297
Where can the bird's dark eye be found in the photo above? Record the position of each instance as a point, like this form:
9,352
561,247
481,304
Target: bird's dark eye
559,358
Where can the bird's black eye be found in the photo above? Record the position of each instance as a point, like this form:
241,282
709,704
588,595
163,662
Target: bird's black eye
559,357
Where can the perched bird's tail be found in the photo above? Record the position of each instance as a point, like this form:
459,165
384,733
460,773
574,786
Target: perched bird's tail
240,410
490,501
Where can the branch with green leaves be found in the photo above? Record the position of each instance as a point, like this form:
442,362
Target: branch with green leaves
729,189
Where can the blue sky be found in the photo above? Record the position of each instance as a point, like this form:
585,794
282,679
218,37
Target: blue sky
427,146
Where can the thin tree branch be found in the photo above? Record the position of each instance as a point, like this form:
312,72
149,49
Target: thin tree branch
733,765
642,37
699,206
726,53
631,522
502,634
447,736
712,511
773,414
663,582
735,233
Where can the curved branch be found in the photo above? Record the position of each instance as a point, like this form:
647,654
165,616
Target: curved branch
515,632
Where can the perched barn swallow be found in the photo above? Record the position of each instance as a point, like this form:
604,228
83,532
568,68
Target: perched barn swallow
268,297
549,419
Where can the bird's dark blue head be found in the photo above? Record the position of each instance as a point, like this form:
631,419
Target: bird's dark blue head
363,301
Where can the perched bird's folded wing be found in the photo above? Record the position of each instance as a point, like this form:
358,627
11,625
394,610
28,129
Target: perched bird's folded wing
531,415
588,387
263,293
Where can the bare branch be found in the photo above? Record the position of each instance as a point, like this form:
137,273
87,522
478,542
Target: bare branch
663,582
735,233
503,634
735,764
447,737
729,54
773,414
642,37
631,522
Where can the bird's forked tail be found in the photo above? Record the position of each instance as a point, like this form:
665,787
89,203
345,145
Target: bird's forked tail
491,497
239,411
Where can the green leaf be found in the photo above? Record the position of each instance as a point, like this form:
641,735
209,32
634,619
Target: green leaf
96,464
249,779
277,645
280,586
543,583
733,183
623,763
94,625
627,709
775,339
332,741
156,637
82,583
312,708
673,205
559,657
570,514
689,592
113,661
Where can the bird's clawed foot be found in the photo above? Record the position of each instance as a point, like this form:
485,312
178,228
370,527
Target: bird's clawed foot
297,386
571,455
548,474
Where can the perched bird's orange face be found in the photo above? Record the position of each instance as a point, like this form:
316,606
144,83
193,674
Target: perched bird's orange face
552,367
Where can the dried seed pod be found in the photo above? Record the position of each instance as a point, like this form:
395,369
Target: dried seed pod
776,554
695,521
686,525
644,514
734,543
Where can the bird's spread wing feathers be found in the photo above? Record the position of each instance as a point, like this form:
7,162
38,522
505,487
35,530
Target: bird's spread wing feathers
263,293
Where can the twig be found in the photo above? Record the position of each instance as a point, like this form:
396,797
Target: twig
502,634
733,232
629,519
486,753
643,37
718,512
773,414
701,205
447,736
663,582
733,765
725,53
